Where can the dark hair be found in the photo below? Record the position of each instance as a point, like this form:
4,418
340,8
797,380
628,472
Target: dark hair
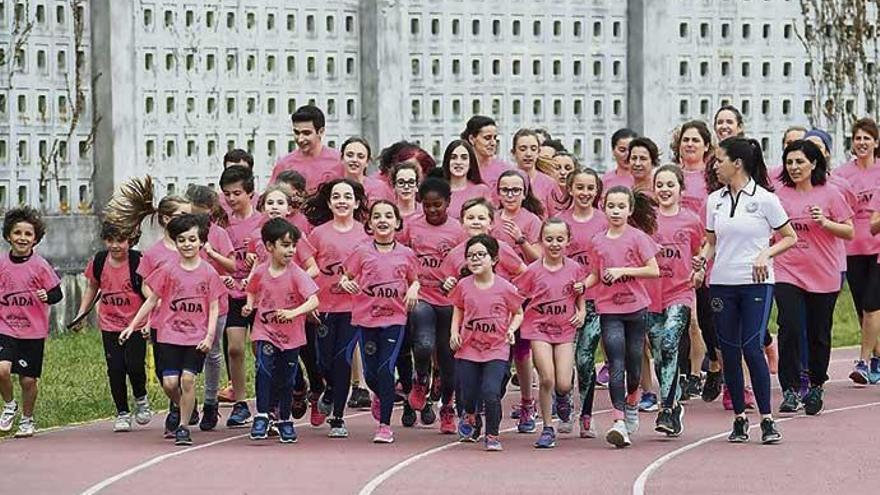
480,201
473,173
317,207
434,184
358,140
730,108
555,221
475,124
624,133
522,133
293,179
568,198
279,228
648,144
749,152
644,215
206,197
388,156
489,242
235,174
393,206
813,154
180,224
24,214
112,232
544,134
556,144
529,202
237,156
675,170
869,126
402,166
309,113
426,162
701,128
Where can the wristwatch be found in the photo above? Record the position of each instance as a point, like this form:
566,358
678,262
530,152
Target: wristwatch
521,240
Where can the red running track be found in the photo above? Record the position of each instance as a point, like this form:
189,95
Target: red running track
818,455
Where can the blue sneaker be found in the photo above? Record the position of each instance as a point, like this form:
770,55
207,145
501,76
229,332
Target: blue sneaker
526,422
648,402
172,421
547,440
860,373
286,432
182,437
240,416
260,428
466,430
874,371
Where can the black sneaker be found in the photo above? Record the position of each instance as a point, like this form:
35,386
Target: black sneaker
677,417
712,387
813,403
693,386
240,417
172,421
685,390
428,416
740,433
210,417
769,433
408,418
360,398
182,436
194,417
791,403
664,421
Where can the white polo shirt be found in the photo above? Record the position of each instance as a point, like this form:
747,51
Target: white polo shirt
743,224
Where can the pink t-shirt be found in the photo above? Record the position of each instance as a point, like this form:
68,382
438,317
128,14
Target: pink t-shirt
508,267
228,209
246,238
288,290
528,223
612,178
298,220
315,170
679,237
376,188
813,263
491,171
431,244
185,300
304,249
383,279
331,249
551,300
119,302
695,191
486,315
22,314
864,182
773,173
220,242
547,191
632,249
155,257
581,245
470,191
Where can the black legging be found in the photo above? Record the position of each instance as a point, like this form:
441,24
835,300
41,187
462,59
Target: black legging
707,325
793,305
429,332
123,361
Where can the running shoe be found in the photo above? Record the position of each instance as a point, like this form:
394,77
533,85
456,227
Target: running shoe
813,403
363,400
325,405
123,423
210,417
726,400
588,429
664,421
299,406
194,415
375,407
677,421
172,421
286,432
740,432
618,435
337,428
466,429
749,398
182,438
227,394
547,439
648,402
352,397
492,444
273,424
515,411
712,387
683,381
316,417
791,403
603,376
383,434
418,396
564,410
447,420
427,416
408,418
27,427
8,416
142,412
860,373
526,422
436,390
260,428
631,418
769,433
874,373
240,417
693,387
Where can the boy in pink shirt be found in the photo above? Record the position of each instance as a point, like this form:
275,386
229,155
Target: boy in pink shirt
281,294
187,294
316,162
28,285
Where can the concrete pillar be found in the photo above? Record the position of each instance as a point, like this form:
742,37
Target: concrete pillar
382,73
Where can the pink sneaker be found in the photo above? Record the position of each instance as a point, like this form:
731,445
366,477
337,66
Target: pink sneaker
316,417
375,407
418,396
447,420
726,400
588,429
749,397
383,434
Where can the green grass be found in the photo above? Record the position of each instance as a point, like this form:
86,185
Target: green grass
74,386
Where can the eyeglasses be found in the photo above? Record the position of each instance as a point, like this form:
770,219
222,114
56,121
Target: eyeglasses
510,191
477,255
405,183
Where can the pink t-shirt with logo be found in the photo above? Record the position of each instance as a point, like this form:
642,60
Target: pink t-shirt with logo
331,249
508,267
431,244
864,183
220,242
679,237
383,279
581,245
119,302
486,315
246,238
813,263
288,290
298,220
695,191
22,314
632,249
315,170
551,298
528,223
185,299
611,178
471,191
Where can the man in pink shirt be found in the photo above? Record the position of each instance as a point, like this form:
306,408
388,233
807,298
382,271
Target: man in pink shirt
316,162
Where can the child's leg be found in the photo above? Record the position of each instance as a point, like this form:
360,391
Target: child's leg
135,357
522,360
309,354
645,382
28,395
213,363
586,342
563,362
614,341
171,386
422,337
492,379
543,353
6,381
390,340
237,339
115,355
404,366
697,347
445,356
468,375
635,328
664,344
265,368
187,393
286,367
343,346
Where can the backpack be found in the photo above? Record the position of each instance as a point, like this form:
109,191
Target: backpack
134,260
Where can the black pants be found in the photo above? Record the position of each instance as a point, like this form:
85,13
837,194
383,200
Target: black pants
429,332
309,356
793,305
337,340
123,361
482,383
623,336
707,324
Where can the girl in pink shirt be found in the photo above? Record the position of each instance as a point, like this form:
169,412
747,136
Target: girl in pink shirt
405,179
275,202
460,169
487,312
808,274
28,285
338,211
620,175
554,311
623,256
382,276
356,156
525,152
585,220
297,185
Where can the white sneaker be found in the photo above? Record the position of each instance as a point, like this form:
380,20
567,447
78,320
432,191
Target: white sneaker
631,415
618,435
566,426
8,416
26,428
142,412
123,422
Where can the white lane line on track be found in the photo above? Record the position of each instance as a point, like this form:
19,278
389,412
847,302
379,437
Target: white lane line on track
382,477
641,481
